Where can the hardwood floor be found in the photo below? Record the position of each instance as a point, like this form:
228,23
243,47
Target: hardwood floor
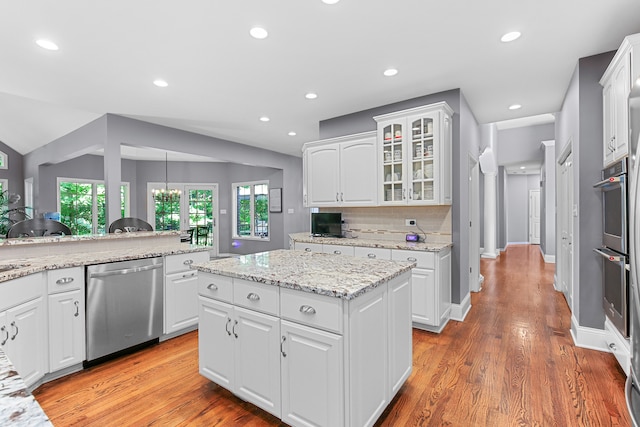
511,362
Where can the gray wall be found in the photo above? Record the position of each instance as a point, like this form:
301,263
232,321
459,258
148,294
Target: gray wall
580,121
14,174
109,131
465,139
523,144
517,187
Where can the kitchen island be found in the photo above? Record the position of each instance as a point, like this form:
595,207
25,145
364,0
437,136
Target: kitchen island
315,339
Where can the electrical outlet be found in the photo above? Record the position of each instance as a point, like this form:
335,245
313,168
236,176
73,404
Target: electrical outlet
409,222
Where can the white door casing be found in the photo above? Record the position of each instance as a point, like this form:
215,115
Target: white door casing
474,225
534,217
564,196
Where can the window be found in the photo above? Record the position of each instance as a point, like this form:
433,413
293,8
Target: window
82,204
4,161
251,210
3,185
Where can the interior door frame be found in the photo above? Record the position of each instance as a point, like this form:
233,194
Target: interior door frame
532,194
564,202
474,224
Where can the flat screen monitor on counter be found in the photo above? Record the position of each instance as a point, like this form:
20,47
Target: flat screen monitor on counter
326,224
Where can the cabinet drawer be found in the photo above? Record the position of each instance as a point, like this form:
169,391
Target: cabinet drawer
313,310
373,253
65,279
256,296
424,259
181,262
337,249
22,289
215,286
308,247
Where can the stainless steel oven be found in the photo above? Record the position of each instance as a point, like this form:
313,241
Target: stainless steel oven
615,278
614,207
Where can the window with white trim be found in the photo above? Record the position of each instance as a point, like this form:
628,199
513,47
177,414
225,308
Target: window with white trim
4,185
251,210
4,161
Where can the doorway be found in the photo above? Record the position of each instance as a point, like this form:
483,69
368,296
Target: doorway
564,196
474,225
534,217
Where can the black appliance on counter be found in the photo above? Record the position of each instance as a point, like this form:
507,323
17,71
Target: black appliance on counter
326,224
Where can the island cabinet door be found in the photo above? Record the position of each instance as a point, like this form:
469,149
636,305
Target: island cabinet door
66,329
181,301
257,355
423,301
312,376
216,342
400,334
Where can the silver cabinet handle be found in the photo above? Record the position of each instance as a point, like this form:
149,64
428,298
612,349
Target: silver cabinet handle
234,329
337,197
13,324
412,259
341,197
404,194
307,249
188,262
212,287
613,347
307,309
253,297
371,255
64,281
337,252
6,338
281,346
77,304
184,276
226,326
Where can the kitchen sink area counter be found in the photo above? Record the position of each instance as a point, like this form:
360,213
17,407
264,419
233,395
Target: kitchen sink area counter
370,243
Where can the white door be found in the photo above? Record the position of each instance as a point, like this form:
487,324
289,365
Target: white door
312,376
215,342
474,226
564,197
66,329
534,217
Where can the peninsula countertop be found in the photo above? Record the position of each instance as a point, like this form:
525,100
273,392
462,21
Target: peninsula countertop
370,243
324,274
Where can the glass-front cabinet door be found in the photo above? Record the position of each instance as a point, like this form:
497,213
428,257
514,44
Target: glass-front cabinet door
423,165
393,158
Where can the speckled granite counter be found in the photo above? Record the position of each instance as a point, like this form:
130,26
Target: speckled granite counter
17,405
325,274
26,266
82,238
370,243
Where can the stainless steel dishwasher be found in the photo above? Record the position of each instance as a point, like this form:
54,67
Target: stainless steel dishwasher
124,305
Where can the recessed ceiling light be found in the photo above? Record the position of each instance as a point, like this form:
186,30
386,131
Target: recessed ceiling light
390,72
47,44
515,107
522,167
509,37
292,133
311,95
160,83
638,82
264,119
258,33
330,1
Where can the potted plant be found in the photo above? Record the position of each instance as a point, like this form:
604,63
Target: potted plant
9,213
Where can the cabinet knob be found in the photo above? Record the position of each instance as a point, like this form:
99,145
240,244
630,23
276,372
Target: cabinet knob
613,346
6,337
337,252
212,287
13,324
187,262
412,259
64,281
371,256
307,249
307,309
253,297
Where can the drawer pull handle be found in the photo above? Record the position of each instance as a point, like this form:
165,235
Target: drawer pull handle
307,249
226,326
15,326
77,304
184,276
307,309
234,328
281,346
253,297
371,255
6,338
613,347
64,281
188,262
412,259
212,287
337,252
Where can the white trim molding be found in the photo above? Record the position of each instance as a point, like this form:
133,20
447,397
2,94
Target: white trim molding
460,311
549,259
591,338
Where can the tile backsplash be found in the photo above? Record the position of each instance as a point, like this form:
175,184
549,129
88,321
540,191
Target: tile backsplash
388,223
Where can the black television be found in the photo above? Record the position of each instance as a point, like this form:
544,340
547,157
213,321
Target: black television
326,224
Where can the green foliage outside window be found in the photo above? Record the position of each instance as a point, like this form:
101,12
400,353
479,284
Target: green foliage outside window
77,201
252,208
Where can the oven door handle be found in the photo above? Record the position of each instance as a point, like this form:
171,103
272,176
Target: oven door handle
611,256
610,182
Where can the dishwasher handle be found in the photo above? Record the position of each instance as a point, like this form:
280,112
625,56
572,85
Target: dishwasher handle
125,271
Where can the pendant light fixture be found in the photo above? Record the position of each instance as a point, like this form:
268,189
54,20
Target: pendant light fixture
164,194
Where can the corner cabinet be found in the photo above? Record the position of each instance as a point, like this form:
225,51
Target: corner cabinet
414,156
341,171
616,83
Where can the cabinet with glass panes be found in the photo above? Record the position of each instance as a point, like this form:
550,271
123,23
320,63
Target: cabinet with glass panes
415,148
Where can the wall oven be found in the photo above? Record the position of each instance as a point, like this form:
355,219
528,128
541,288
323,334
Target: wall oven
616,289
614,206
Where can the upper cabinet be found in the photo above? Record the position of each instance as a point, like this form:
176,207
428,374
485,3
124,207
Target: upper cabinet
341,171
617,81
414,148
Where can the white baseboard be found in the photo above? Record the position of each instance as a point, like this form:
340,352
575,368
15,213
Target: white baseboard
515,243
555,283
548,259
490,255
460,311
591,338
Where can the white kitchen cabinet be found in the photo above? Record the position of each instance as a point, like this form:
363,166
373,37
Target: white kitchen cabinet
312,376
181,291
414,148
400,338
341,171
23,310
338,249
308,247
240,348
66,317
617,81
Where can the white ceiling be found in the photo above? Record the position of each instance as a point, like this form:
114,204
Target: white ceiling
221,80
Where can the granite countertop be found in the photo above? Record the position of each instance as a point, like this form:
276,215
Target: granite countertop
370,243
80,238
325,274
17,405
26,266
